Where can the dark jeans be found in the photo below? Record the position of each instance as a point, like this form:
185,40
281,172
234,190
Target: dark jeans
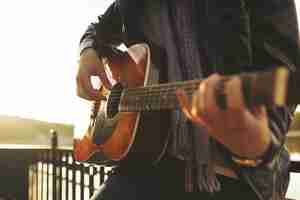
164,182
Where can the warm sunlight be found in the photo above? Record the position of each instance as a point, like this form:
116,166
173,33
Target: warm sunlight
38,58
38,48
38,62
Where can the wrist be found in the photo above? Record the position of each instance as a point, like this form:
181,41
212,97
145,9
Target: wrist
249,144
264,158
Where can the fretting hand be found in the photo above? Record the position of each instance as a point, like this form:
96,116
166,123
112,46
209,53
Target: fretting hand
243,131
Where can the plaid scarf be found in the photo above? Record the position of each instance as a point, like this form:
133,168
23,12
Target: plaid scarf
189,142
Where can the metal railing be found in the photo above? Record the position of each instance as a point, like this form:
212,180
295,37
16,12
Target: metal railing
52,174
56,176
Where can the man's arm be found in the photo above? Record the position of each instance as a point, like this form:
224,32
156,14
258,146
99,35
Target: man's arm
275,42
274,32
250,133
106,32
98,41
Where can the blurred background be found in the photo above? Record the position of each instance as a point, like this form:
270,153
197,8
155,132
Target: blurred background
38,48
39,41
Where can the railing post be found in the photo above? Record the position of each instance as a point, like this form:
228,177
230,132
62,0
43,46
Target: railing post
54,159
67,175
48,159
91,180
102,174
41,154
60,163
73,178
82,183
37,179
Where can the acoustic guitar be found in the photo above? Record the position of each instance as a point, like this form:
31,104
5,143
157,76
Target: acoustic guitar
132,122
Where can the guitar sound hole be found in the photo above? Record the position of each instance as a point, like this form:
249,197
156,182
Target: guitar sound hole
114,100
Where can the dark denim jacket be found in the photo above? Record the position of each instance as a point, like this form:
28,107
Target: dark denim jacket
237,36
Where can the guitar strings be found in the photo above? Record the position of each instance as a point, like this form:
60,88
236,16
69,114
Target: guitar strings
162,86
148,91
151,103
146,98
153,95
166,93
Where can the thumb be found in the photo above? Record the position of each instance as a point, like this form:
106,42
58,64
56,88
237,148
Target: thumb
106,80
85,88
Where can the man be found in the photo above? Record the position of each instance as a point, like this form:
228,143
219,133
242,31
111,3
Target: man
203,39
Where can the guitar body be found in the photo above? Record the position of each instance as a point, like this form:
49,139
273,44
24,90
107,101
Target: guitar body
116,137
132,123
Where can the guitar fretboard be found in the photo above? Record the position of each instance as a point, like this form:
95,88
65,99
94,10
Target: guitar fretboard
264,88
155,97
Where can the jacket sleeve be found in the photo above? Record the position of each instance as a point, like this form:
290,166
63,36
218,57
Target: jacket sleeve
105,33
275,42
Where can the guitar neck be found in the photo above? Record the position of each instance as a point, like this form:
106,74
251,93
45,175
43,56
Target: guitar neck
155,97
268,88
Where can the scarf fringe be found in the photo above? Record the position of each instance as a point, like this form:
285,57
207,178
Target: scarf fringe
207,180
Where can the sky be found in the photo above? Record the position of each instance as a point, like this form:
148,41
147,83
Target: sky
39,54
